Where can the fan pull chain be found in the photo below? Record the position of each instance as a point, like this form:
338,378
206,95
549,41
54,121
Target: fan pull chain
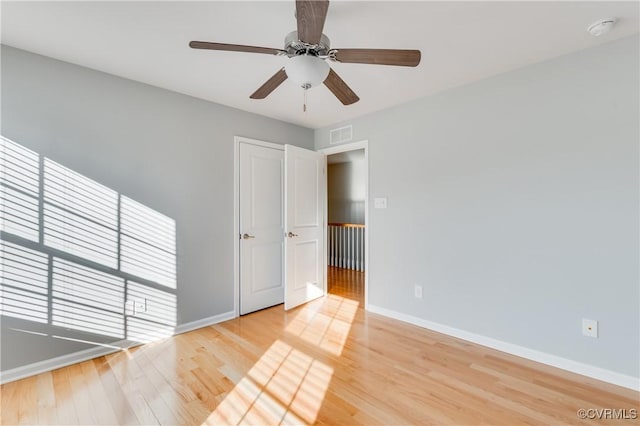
304,102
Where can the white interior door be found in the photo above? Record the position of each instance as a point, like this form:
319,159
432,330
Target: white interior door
261,227
304,201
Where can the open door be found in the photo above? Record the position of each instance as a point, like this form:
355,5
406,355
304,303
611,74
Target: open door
304,211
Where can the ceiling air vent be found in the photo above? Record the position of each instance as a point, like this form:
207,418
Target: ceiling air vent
341,135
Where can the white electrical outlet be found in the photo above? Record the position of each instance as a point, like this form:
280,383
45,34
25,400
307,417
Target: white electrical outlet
129,307
417,291
590,328
140,306
134,307
380,203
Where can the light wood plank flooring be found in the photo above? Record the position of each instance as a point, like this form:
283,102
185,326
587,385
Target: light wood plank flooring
346,283
328,362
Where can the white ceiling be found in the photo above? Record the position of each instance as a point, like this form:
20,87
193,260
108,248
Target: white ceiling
460,42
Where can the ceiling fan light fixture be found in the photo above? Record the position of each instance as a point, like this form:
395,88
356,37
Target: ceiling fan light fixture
307,71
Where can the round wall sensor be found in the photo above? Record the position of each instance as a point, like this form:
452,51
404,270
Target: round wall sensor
601,27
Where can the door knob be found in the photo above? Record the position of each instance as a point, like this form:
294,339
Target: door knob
291,234
247,236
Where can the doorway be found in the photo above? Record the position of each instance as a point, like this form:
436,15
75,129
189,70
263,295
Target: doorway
347,201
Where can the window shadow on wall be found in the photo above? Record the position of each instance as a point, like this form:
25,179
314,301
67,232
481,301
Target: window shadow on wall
79,256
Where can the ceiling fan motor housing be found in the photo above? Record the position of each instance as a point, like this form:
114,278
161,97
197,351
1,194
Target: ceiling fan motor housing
295,47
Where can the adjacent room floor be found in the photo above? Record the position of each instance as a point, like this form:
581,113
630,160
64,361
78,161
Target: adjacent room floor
328,362
346,283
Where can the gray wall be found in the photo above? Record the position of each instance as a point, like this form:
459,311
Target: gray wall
168,151
514,202
346,192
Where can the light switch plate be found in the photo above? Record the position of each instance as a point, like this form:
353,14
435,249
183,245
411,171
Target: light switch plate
380,203
417,291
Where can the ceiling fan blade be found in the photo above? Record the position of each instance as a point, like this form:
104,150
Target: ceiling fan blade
399,57
311,15
270,85
234,47
339,88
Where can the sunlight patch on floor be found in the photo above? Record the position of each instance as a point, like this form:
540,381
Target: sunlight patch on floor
328,327
285,386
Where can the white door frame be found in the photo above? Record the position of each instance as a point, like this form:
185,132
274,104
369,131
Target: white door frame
364,144
237,140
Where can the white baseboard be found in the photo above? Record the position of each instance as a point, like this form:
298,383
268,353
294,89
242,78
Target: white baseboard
87,354
521,351
204,322
60,361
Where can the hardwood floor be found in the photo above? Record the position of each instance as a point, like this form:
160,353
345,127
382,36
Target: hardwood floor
346,283
328,362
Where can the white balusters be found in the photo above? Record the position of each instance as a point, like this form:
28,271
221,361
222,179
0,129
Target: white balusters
346,246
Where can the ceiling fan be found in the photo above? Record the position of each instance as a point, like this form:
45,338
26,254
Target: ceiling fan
308,49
